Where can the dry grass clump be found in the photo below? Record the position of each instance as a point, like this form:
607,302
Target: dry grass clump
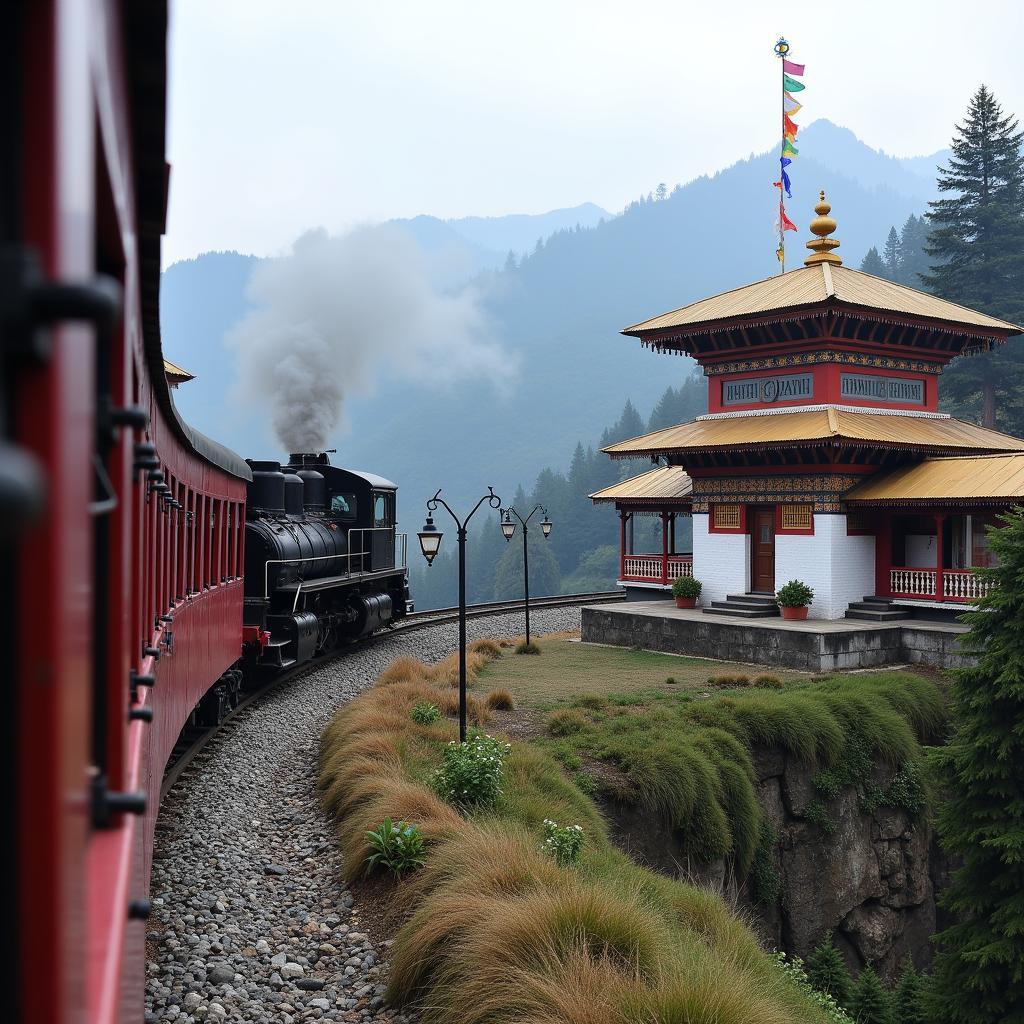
729,679
768,682
496,930
567,721
500,700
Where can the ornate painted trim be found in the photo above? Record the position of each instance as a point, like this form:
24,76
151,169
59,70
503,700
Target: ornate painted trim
871,410
809,358
822,490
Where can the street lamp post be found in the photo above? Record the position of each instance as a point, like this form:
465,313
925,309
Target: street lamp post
430,544
508,529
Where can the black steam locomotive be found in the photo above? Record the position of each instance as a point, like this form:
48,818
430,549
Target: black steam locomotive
323,561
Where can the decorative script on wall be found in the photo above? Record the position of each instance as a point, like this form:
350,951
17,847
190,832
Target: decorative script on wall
823,491
768,389
881,389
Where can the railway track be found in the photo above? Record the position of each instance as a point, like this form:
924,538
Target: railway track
194,739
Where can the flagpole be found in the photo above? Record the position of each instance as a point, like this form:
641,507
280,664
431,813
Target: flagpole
782,153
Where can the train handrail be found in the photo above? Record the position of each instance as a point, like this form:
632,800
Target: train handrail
399,537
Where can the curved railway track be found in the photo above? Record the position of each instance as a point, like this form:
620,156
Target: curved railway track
194,738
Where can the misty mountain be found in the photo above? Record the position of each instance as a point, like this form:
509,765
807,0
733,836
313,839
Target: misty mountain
565,370
519,232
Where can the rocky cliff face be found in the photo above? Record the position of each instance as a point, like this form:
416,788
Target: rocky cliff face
870,881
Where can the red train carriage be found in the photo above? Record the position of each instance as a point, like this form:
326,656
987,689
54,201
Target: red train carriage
120,571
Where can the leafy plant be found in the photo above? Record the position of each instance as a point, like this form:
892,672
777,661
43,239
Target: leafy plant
817,814
793,968
472,772
397,846
566,722
686,586
670,680
425,713
794,594
563,842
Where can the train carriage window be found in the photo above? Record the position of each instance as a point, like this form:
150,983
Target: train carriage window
382,514
344,505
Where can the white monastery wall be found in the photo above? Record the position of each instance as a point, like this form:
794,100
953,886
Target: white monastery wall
839,569
721,561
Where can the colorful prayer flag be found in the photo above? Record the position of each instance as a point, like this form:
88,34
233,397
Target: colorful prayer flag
791,106
785,161
780,254
786,185
791,84
790,149
791,68
790,125
787,224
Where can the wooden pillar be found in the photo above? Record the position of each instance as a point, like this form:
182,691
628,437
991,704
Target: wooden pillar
664,547
940,519
622,544
883,553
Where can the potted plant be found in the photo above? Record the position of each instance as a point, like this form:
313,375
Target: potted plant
793,599
686,590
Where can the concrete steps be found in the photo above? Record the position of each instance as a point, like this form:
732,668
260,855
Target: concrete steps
745,606
874,609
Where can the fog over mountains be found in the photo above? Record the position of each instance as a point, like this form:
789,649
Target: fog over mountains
564,370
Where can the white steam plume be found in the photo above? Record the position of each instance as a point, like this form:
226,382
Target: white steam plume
337,311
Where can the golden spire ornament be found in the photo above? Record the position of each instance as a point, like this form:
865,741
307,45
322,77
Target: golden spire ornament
823,225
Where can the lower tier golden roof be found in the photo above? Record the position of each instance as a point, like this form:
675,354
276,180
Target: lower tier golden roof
973,478
786,430
664,485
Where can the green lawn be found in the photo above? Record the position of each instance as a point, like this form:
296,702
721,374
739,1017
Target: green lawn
567,669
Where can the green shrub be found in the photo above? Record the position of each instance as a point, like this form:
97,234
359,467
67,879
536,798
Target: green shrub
594,701
794,594
563,842
585,783
472,772
909,996
686,586
817,814
827,972
768,682
397,846
567,722
793,968
425,713
670,680
500,700
869,1002
906,790
527,648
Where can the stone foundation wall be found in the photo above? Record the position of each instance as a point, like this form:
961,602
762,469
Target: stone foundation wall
704,637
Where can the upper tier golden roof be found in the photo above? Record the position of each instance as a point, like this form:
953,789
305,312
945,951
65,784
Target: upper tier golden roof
819,284
669,483
782,430
175,374
971,478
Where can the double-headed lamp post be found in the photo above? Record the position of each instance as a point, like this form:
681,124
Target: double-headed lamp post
508,529
430,544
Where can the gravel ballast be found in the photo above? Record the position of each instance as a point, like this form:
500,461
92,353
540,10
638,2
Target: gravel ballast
251,921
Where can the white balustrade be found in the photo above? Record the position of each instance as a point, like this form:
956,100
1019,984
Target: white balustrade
679,567
960,585
648,567
912,582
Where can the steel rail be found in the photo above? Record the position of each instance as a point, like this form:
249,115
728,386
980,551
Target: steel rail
177,766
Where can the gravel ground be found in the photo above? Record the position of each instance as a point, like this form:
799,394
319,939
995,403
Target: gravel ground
251,921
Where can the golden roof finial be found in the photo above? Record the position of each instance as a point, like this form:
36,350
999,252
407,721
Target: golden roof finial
823,225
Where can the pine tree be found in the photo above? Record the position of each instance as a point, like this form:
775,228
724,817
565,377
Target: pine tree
826,971
979,970
510,262
976,243
872,263
870,1003
661,192
892,256
913,239
908,997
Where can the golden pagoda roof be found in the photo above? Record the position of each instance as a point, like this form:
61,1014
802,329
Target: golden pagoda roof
818,284
978,478
824,423
175,374
669,483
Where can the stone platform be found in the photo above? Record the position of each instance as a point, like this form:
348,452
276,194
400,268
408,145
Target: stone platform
815,645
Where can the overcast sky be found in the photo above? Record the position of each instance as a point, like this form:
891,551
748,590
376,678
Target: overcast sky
291,115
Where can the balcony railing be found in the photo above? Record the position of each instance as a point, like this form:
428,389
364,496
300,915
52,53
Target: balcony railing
655,568
957,584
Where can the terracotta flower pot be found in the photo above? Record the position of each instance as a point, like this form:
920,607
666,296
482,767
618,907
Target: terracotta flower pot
794,613
686,602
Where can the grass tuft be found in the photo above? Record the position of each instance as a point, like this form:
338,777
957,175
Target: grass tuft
500,700
566,722
527,648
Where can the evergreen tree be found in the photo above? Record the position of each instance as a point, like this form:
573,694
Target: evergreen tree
892,256
545,577
908,998
827,972
976,243
979,970
872,263
510,262
662,192
870,1003
913,239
